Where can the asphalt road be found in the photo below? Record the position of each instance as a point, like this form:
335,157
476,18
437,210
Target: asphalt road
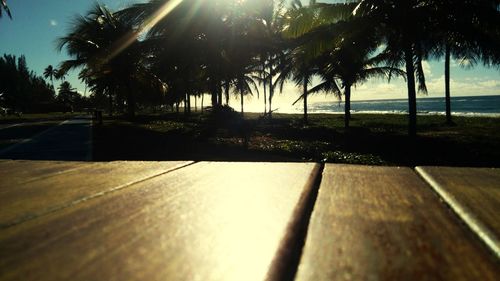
69,140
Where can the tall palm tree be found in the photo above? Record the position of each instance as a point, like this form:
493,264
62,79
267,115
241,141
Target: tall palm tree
108,50
50,72
345,48
295,65
351,66
60,74
404,25
67,95
243,84
268,20
302,61
201,27
463,30
490,39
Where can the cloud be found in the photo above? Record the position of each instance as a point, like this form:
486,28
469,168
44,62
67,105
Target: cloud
464,87
380,89
53,22
495,84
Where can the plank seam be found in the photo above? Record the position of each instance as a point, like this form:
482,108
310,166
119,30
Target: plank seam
474,224
287,259
94,196
58,173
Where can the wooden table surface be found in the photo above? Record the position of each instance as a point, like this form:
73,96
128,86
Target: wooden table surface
246,221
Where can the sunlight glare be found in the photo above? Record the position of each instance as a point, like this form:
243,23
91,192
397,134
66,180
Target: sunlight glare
128,39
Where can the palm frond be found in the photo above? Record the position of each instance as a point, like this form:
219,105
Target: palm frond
5,8
420,76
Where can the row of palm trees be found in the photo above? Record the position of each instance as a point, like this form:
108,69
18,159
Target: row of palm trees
170,50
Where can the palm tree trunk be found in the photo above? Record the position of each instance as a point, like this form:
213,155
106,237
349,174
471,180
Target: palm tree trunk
130,97
187,102
305,99
241,97
447,84
219,93
213,90
271,90
265,98
131,105
110,99
227,92
412,93
347,106
264,84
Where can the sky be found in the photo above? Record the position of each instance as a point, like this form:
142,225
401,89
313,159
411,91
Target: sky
36,25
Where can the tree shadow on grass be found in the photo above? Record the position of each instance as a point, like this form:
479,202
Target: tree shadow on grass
288,139
119,141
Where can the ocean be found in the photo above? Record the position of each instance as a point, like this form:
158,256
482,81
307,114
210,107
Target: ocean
464,106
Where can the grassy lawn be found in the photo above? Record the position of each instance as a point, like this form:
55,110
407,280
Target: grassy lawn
372,139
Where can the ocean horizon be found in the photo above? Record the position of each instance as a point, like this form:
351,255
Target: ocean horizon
487,106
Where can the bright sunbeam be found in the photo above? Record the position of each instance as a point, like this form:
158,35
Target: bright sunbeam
160,14
128,39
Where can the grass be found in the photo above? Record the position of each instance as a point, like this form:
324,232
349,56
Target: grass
372,139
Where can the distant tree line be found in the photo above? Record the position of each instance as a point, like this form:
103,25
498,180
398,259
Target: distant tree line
22,90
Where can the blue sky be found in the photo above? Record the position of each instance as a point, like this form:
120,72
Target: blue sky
37,24
35,27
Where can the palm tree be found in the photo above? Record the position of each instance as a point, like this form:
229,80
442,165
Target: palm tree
108,50
50,72
60,74
195,30
4,7
301,62
67,95
243,80
403,25
266,30
463,31
345,48
297,66
351,66
490,35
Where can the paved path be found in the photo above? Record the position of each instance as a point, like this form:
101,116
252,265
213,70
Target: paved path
70,140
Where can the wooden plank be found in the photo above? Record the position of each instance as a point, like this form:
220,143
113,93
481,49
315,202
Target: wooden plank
25,198
13,172
207,221
474,194
385,223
